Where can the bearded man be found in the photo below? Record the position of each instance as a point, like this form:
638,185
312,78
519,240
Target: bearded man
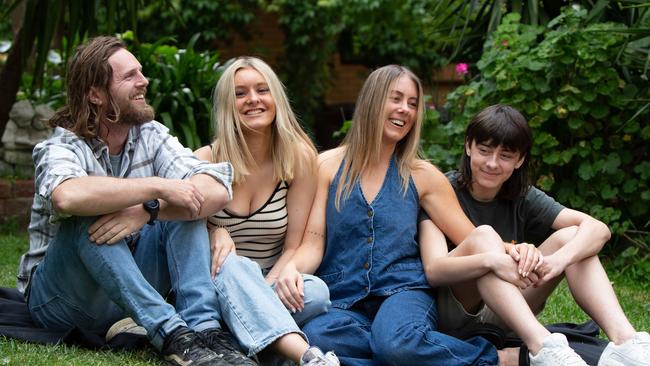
116,219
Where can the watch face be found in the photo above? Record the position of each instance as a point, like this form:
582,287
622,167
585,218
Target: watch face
152,205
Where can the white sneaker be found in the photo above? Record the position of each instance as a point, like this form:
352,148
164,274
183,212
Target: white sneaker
555,351
126,325
635,352
315,357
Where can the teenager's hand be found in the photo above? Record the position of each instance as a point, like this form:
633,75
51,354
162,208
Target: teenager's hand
528,257
115,226
221,245
506,268
552,267
183,193
289,288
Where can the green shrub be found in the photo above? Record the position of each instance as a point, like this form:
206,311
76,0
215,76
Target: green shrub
588,109
180,88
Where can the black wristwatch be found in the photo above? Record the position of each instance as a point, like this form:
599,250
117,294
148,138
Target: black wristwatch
152,207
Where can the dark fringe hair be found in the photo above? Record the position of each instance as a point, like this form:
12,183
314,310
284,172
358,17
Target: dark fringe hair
88,68
499,125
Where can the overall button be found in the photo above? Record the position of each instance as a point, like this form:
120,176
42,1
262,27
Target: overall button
365,289
366,265
369,239
370,213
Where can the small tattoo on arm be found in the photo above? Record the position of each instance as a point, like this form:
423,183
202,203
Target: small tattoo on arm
316,233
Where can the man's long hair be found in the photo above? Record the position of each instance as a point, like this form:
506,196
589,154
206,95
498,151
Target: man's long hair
89,68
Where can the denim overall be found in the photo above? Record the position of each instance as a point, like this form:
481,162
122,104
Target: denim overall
383,310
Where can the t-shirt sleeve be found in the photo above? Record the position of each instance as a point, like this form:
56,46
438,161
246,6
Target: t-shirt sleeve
540,212
422,215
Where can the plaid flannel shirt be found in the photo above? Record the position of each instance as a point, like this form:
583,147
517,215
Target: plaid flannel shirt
149,151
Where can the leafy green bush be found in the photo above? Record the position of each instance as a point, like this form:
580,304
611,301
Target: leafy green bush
180,88
588,109
50,89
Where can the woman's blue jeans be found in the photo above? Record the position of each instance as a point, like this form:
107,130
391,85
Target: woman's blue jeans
396,330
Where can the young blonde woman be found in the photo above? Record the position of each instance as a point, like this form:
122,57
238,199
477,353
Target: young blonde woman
361,237
493,189
274,184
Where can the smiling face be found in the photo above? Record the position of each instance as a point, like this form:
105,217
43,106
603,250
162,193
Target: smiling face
253,99
491,167
400,110
128,88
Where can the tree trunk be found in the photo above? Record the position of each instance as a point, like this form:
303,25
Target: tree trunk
10,79
12,71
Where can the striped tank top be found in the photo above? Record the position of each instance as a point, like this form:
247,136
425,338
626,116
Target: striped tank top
260,235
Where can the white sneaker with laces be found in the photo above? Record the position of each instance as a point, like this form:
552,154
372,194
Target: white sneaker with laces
635,351
315,357
555,351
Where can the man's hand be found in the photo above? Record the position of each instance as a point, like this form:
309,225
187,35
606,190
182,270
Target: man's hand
115,226
290,288
183,193
221,245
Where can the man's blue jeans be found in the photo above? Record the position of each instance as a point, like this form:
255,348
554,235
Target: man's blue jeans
396,330
80,283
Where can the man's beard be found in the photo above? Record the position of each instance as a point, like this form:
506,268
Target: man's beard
132,114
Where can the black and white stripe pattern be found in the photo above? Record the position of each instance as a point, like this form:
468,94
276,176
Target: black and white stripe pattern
260,235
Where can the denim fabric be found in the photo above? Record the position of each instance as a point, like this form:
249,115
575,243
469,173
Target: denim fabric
371,247
395,330
317,299
249,306
80,283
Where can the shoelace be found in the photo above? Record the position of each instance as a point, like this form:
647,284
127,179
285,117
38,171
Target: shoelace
569,357
220,339
323,361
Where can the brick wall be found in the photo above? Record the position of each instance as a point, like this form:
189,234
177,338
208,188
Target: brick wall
16,199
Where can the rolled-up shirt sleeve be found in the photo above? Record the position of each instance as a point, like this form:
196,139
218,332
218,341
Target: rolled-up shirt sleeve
55,163
174,161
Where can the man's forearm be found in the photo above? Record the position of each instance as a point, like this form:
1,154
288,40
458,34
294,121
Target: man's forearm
215,198
93,196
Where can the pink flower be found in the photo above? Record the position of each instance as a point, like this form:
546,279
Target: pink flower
431,106
462,68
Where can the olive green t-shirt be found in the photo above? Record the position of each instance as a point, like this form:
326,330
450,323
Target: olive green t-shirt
524,219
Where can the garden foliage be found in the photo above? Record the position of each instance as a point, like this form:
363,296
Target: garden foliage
181,81
587,105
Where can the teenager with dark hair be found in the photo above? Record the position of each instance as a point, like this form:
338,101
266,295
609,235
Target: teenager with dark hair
516,279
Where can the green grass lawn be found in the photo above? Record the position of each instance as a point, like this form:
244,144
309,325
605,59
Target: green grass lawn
634,298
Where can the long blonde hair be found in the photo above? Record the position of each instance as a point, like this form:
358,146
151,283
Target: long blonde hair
288,138
363,140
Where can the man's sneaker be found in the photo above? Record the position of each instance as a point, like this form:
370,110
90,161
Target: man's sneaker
636,351
315,357
184,347
555,351
125,326
222,343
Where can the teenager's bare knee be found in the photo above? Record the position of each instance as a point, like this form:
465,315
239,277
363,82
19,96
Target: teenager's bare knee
481,240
